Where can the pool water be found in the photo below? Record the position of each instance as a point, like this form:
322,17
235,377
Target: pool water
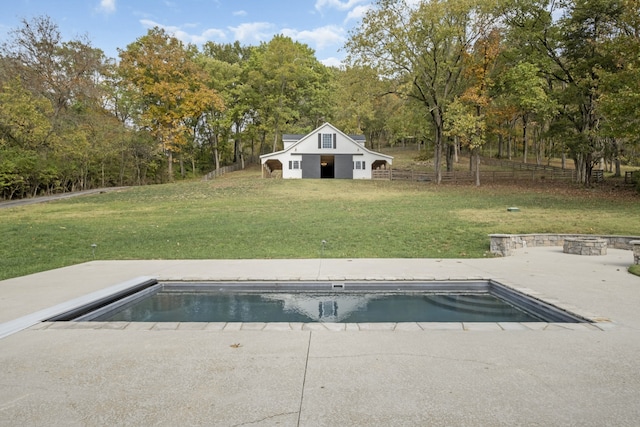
366,302
318,307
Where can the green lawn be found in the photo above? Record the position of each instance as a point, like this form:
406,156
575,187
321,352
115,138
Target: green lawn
241,215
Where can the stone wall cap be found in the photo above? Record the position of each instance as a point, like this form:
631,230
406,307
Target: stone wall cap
586,239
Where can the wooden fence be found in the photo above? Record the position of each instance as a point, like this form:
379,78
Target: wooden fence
248,159
463,177
516,172
221,171
510,164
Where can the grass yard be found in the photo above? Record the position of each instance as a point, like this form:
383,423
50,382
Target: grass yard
240,215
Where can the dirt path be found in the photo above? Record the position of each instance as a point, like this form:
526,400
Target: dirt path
42,199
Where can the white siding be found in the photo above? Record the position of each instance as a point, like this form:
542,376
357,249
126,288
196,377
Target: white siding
368,160
291,173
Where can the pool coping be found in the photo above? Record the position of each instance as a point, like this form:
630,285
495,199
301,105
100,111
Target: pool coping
319,326
25,322
40,320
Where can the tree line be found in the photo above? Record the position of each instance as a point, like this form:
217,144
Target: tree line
532,79
562,76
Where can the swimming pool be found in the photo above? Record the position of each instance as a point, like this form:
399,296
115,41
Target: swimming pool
327,302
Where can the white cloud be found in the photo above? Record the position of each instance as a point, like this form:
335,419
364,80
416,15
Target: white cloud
107,6
332,62
148,23
357,13
320,37
213,33
184,36
337,4
240,13
252,32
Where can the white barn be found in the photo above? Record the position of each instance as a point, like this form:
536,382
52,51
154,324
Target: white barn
324,153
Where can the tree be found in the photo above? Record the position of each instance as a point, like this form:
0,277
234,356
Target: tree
25,139
215,126
227,68
620,101
571,51
423,48
68,75
288,88
464,122
526,90
470,125
171,87
64,72
356,89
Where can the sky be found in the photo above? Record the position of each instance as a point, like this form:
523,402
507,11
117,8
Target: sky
111,24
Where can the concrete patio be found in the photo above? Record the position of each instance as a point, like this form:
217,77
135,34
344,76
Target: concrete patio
117,373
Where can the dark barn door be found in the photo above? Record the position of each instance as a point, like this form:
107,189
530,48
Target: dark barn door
343,166
311,165
327,167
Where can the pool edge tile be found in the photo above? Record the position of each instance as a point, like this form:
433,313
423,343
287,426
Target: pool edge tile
408,327
377,326
335,327
215,326
481,326
441,326
232,326
316,326
277,326
253,326
140,326
191,326
514,326
115,325
166,326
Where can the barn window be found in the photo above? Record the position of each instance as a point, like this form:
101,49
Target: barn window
327,140
359,165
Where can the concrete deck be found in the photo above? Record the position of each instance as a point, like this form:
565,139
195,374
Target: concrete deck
257,374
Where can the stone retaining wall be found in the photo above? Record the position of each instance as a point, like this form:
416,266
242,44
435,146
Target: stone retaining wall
505,244
636,251
584,246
